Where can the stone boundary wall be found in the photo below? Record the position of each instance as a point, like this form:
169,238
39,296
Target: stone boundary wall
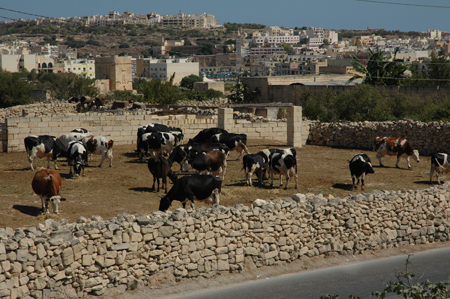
427,138
122,126
73,260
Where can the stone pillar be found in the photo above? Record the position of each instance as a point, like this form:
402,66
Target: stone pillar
294,126
225,119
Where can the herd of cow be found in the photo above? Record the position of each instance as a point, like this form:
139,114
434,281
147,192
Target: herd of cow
207,153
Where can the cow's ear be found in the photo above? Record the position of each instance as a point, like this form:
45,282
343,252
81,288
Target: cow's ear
62,199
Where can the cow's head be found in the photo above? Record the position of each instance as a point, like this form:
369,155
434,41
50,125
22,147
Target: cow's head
55,200
165,203
415,155
367,167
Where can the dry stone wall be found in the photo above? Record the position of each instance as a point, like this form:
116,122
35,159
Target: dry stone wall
72,260
427,138
122,126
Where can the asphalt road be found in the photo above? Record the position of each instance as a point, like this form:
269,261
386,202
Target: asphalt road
357,279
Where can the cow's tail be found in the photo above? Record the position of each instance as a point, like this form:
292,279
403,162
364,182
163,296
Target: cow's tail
109,148
242,144
441,168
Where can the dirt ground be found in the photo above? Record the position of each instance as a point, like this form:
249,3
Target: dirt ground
126,186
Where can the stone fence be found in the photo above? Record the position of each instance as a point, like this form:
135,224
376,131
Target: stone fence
72,260
122,126
427,138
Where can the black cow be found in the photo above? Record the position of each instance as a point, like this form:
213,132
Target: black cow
440,163
44,146
236,142
206,134
77,157
160,169
359,166
283,164
198,186
214,161
254,163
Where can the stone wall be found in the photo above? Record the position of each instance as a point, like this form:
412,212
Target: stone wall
427,138
122,125
70,260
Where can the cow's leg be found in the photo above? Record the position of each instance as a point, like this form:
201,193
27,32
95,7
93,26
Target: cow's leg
353,182
164,182
191,200
281,179
287,182
55,163
379,159
224,169
43,202
271,177
103,158
362,180
154,182
407,160
110,157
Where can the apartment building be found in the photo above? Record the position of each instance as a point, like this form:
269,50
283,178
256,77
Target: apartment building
187,20
163,69
266,39
81,67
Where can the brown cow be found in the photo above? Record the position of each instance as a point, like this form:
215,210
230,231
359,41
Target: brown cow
160,169
46,183
394,146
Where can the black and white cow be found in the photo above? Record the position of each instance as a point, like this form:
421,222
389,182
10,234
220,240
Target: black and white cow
200,187
254,163
214,161
155,128
73,136
360,165
266,153
143,146
206,134
77,156
44,146
236,142
283,164
440,163
80,130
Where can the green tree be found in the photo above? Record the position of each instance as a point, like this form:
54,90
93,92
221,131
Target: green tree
436,72
188,81
379,71
14,90
161,92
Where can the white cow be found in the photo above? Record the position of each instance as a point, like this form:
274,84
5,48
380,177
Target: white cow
73,136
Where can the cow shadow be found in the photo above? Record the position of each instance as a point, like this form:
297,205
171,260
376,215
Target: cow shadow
346,187
28,210
21,169
426,182
142,189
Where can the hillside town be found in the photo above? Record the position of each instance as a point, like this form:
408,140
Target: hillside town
266,51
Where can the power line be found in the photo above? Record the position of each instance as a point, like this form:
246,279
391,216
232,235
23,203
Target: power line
405,4
7,18
21,12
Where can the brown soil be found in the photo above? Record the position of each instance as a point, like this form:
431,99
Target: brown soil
126,186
